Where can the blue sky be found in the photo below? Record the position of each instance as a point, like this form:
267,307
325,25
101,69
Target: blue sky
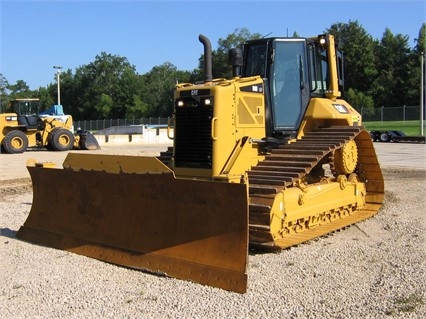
36,35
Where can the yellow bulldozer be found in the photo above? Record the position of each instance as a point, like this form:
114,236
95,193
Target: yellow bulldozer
267,159
24,126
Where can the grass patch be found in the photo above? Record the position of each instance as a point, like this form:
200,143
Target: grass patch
410,128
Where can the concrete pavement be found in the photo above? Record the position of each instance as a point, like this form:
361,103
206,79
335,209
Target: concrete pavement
401,155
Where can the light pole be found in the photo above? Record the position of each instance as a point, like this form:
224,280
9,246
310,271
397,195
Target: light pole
58,72
422,86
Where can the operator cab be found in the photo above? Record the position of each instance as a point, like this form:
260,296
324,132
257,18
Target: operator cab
27,111
294,71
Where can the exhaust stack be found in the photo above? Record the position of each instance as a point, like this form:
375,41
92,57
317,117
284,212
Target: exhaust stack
235,57
207,56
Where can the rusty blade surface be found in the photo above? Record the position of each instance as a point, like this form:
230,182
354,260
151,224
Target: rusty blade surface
187,229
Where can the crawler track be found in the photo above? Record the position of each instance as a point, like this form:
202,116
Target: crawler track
300,160
289,163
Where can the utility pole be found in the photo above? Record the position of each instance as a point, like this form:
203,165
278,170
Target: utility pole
422,92
58,81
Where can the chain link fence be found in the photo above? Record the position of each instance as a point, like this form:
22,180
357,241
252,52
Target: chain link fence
403,113
382,114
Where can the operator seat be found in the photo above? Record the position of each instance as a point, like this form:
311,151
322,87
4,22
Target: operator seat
31,122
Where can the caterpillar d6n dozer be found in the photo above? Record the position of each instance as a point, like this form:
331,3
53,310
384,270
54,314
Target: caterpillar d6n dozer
270,158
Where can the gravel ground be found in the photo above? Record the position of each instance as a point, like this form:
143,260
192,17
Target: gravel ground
375,269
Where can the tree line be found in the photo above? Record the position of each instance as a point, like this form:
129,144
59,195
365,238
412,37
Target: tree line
378,72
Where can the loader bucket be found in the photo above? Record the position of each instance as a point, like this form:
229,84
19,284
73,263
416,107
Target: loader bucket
87,141
133,212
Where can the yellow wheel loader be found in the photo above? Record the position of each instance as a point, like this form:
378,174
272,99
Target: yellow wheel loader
270,158
26,127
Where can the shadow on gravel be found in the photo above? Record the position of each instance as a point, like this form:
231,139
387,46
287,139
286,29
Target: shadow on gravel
6,232
258,251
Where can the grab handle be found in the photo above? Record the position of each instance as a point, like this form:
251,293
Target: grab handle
169,125
214,138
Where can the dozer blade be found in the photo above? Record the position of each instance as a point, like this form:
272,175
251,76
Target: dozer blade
133,212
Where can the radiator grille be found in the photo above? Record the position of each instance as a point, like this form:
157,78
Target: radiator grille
193,143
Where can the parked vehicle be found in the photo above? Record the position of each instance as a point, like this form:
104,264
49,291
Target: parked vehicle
395,136
25,126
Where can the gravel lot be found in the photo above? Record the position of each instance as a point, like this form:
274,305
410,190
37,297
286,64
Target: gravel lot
375,269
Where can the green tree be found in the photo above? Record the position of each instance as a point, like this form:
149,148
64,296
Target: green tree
4,100
46,98
414,68
105,104
158,88
20,90
360,101
138,109
358,49
421,40
392,84
104,88
416,57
